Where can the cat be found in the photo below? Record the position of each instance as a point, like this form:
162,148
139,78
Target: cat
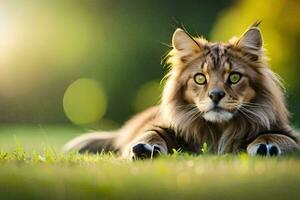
220,93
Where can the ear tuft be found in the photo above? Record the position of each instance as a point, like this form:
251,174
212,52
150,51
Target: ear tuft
182,41
251,39
256,23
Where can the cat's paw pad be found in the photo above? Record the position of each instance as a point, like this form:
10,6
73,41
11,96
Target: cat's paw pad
264,150
144,151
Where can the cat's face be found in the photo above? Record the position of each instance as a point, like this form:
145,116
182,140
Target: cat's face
218,78
218,87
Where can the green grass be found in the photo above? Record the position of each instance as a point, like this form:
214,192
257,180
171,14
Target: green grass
46,173
36,137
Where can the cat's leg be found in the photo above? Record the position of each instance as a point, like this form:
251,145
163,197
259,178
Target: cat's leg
148,145
272,145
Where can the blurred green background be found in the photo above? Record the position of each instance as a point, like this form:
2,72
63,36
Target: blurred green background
90,64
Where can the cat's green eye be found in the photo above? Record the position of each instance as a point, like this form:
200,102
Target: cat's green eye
234,77
200,79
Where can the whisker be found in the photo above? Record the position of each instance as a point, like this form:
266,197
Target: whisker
251,106
251,112
255,104
245,113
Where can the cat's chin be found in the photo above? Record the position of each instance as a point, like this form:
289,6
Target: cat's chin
219,116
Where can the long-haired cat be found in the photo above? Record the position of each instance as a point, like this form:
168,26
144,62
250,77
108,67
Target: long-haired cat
222,94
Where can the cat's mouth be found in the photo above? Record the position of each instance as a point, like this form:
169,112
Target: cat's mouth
217,114
216,109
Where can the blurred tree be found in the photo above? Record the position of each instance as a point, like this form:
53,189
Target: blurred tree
47,45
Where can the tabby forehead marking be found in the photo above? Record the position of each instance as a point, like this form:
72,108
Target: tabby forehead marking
216,53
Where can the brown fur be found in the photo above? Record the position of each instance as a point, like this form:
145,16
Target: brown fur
254,110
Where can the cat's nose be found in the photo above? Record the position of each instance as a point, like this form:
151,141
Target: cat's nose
216,95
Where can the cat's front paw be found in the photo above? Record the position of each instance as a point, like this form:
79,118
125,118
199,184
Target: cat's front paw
143,151
264,150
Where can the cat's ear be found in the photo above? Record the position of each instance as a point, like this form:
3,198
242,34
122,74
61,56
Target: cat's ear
251,43
182,41
251,39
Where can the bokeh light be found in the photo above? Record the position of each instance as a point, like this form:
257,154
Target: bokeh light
84,101
147,95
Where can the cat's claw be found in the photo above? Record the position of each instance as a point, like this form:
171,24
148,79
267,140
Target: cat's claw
264,150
